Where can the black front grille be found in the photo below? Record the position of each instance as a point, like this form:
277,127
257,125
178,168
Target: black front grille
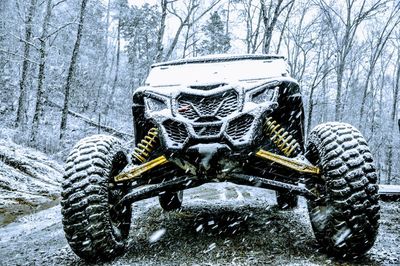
220,105
176,131
238,127
207,130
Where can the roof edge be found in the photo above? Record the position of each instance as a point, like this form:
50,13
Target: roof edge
218,58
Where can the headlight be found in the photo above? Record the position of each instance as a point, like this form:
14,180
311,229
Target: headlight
155,105
264,94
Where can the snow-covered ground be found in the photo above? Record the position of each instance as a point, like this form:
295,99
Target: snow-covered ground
29,181
219,224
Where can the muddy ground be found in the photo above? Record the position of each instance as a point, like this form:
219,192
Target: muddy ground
218,225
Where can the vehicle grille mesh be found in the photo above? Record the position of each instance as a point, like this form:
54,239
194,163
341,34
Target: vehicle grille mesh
238,127
220,105
207,130
176,131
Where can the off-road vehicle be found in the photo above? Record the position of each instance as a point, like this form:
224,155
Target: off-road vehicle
238,119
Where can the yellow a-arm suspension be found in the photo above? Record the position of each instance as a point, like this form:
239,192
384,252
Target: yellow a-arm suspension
289,146
292,163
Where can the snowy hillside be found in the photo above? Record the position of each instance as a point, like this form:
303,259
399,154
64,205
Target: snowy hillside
29,181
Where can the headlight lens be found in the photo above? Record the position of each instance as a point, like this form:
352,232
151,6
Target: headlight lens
155,105
266,94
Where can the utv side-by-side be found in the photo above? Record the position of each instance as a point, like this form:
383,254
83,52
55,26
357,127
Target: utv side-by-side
233,118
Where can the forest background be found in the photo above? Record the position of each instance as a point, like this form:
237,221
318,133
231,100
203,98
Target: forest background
68,67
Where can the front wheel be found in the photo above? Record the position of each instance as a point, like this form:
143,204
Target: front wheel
93,228
345,216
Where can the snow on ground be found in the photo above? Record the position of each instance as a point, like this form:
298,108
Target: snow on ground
29,181
219,224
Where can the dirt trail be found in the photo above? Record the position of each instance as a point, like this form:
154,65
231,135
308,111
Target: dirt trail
218,225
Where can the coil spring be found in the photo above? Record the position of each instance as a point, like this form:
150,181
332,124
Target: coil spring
146,146
285,142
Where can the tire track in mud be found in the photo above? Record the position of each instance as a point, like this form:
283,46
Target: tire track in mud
219,224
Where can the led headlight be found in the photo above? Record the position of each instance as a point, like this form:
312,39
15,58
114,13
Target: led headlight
264,94
155,105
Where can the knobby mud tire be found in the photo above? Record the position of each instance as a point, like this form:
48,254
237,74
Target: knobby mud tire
93,229
345,217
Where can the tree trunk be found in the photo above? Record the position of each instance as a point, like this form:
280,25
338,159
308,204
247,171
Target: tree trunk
393,122
284,27
249,27
339,80
41,76
381,43
269,23
71,69
256,44
228,11
102,84
364,97
161,30
192,7
21,111
185,44
176,38
111,96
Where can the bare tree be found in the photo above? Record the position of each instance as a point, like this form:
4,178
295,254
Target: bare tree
252,15
270,15
21,111
343,28
378,44
301,41
185,20
161,30
71,69
284,25
115,81
393,121
321,71
41,75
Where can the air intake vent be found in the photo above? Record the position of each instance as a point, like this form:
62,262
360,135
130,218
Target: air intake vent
176,131
238,127
207,130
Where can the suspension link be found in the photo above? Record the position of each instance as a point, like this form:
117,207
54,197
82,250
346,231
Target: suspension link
289,146
141,154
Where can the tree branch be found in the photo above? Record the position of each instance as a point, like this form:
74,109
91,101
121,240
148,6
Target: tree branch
87,120
60,28
21,56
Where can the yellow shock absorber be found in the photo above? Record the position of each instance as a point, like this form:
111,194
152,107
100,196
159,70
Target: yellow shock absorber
146,146
282,139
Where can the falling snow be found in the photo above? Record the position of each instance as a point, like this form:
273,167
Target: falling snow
156,236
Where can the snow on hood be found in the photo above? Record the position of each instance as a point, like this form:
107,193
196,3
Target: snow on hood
173,91
217,69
